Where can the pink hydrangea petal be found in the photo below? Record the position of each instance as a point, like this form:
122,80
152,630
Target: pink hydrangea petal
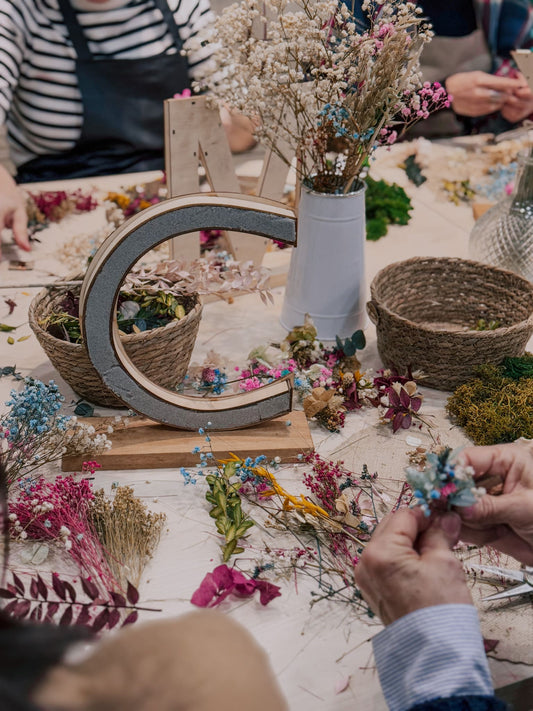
267,591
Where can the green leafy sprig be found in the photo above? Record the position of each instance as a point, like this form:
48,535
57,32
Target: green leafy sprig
231,521
356,342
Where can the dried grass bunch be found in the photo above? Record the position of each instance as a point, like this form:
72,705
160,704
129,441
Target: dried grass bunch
128,531
320,83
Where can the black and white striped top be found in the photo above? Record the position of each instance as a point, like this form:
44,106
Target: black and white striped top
39,97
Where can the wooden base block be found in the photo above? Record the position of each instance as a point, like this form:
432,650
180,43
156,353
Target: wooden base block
144,444
480,208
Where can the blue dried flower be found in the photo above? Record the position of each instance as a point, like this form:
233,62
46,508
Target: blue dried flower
443,480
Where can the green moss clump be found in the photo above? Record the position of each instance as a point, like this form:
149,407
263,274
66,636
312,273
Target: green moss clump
493,407
386,204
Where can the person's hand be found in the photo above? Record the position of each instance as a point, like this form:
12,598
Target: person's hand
519,105
478,93
408,564
239,130
13,210
504,520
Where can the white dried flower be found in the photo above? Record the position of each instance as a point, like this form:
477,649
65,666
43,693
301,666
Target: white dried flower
313,77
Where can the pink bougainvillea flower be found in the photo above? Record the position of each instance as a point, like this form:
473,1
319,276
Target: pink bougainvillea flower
267,591
222,581
214,588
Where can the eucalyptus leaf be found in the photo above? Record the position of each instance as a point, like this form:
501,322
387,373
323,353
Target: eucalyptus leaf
84,409
465,497
413,170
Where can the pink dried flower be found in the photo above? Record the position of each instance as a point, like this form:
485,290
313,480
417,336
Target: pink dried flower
223,581
58,511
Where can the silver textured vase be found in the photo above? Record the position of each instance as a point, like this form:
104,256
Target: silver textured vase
503,236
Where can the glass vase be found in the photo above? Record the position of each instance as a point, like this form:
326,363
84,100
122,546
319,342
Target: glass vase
503,236
327,271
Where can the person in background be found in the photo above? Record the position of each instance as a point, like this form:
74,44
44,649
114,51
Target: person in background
470,54
430,656
82,86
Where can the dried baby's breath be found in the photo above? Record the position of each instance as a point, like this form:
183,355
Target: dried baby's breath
128,531
319,84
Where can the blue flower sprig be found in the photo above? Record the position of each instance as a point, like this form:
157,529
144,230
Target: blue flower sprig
34,432
33,410
443,482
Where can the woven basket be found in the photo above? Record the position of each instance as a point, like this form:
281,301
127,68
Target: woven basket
162,354
426,310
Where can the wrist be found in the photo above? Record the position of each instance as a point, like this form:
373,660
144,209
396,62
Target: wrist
433,652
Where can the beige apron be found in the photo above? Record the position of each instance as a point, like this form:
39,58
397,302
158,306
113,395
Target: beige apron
442,57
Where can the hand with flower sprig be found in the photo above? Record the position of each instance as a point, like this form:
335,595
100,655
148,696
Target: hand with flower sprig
503,518
408,564
431,654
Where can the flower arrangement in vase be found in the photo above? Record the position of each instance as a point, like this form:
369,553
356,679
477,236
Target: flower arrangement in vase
330,91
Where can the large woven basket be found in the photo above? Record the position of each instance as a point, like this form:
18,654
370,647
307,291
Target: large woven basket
162,354
426,311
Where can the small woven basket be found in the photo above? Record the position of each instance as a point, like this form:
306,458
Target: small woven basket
162,354
426,311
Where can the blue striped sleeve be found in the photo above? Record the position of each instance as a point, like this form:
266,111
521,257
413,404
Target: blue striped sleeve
434,652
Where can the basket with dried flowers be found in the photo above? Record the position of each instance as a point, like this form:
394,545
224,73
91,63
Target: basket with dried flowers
445,316
158,315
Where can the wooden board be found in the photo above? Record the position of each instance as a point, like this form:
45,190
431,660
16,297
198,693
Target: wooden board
480,208
148,445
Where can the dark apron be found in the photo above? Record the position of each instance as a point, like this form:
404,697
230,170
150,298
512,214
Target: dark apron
123,125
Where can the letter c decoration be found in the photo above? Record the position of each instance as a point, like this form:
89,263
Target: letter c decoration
99,295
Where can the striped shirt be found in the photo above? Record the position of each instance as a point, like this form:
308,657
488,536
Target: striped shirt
39,97
434,652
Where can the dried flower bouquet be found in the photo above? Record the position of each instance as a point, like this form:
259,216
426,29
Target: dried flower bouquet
320,85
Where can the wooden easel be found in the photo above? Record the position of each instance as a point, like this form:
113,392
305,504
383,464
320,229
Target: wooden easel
194,135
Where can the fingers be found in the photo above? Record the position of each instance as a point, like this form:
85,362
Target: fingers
512,462
501,537
442,535
401,527
524,93
504,84
494,510
19,225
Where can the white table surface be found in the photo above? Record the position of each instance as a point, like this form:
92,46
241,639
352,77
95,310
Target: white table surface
314,651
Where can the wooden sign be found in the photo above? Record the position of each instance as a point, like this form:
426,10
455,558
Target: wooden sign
148,445
524,62
100,290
